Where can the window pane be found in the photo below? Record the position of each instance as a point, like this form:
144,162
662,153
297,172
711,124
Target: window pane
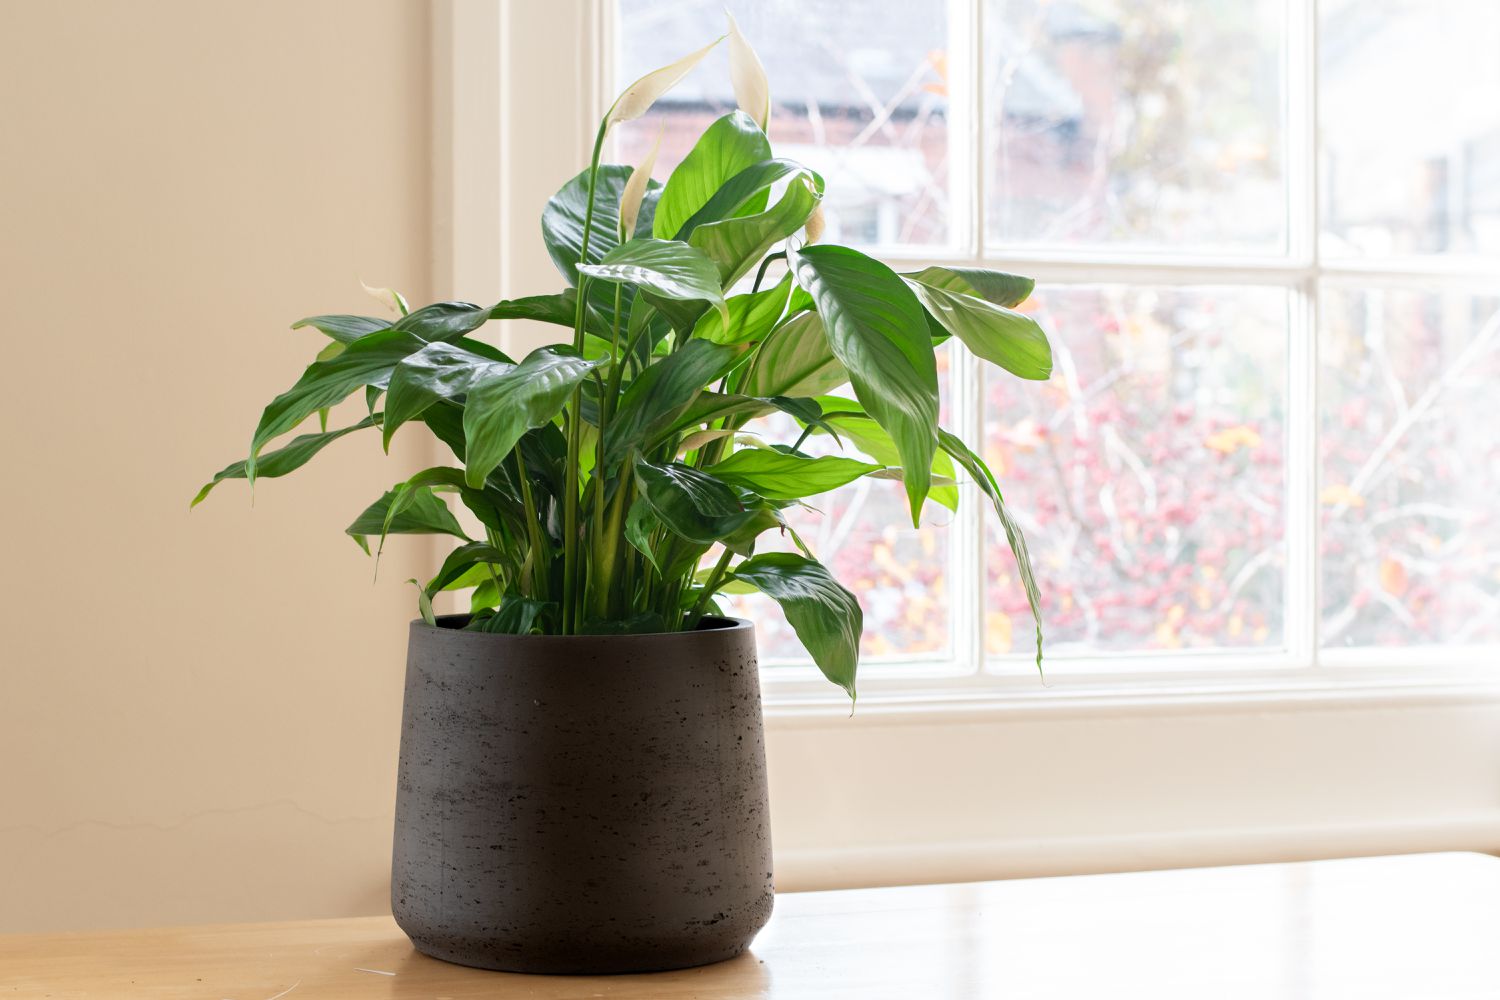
1410,119
863,534
1411,463
861,99
1148,473
1124,123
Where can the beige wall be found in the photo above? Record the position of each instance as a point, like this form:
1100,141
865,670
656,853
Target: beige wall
198,713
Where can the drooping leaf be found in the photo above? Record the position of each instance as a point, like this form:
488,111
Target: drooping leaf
848,418
297,453
666,268
1008,290
729,145
795,360
999,335
438,371
825,616
637,98
662,390
876,328
424,513
503,406
424,604
343,329
985,480
780,476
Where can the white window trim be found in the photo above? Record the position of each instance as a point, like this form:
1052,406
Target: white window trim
489,169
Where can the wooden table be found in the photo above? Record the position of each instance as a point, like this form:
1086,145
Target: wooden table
1424,927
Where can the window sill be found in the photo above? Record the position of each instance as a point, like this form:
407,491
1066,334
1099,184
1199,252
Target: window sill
1068,692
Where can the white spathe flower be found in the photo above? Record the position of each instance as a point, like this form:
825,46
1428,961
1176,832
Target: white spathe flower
388,297
752,91
635,189
637,98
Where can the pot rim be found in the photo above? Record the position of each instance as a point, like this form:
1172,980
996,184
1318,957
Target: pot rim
730,626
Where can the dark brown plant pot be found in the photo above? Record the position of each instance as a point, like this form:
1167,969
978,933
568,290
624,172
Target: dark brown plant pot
582,804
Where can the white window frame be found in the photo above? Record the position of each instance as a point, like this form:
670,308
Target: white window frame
485,118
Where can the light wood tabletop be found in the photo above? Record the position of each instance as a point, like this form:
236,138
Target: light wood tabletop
1424,926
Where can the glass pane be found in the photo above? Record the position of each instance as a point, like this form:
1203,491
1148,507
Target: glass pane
1124,123
1409,116
1148,474
1411,462
861,99
863,534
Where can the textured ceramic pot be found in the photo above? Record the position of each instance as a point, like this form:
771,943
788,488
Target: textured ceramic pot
582,804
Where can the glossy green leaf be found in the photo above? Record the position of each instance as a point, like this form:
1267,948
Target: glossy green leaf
743,193
343,329
876,328
444,320
690,503
436,372
1002,289
297,453
752,316
503,406
795,360
662,391
563,218
460,561
422,513
780,476
985,480
826,617
738,244
424,604
999,335
848,418
729,145
666,268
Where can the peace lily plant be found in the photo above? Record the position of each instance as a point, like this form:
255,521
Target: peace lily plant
613,477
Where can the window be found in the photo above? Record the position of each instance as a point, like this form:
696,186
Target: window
1266,236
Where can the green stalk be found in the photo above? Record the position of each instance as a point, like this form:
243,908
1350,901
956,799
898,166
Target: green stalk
533,523
709,586
575,417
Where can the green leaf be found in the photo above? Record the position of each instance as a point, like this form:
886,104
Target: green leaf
795,360
444,320
460,561
825,616
503,406
876,328
744,192
737,244
751,316
343,329
729,145
367,361
849,418
1013,537
562,219
999,335
780,476
640,523
559,308
424,604
690,503
668,269
297,453
1002,289
422,513
518,615
438,371
663,390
